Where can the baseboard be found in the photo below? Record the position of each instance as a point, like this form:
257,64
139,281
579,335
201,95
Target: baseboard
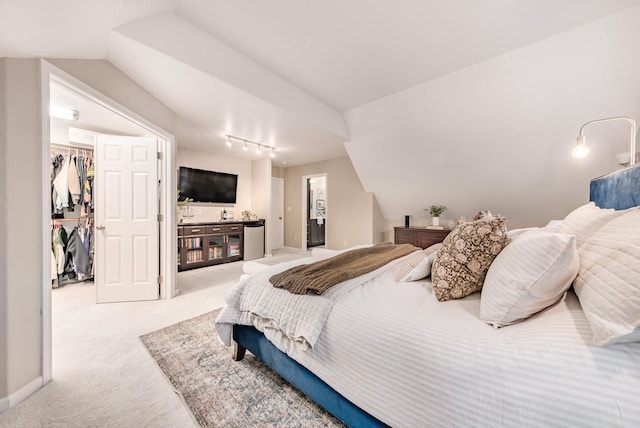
4,404
293,250
21,394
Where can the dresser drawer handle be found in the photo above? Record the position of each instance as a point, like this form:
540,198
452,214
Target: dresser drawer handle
195,230
216,229
234,228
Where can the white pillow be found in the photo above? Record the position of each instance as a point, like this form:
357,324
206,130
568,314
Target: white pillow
608,283
587,220
516,233
529,275
418,266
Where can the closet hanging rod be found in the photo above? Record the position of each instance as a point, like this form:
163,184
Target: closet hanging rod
70,147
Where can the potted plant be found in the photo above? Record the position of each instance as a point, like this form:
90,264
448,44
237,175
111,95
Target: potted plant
435,211
248,215
182,203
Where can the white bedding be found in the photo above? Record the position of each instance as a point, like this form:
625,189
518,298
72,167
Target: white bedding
287,319
427,363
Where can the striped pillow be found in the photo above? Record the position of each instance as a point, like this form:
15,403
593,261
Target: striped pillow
418,266
587,220
608,282
530,274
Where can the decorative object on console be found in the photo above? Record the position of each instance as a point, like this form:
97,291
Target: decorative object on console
467,253
248,215
245,147
183,209
406,221
435,211
581,150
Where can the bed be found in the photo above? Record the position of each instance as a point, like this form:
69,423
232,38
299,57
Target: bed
391,354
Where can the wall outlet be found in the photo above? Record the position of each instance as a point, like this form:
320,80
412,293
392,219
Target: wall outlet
295,237
345,243
288,209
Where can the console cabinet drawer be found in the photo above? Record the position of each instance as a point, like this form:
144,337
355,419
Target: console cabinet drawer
419,236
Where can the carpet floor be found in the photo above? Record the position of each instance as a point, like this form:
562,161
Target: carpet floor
221,392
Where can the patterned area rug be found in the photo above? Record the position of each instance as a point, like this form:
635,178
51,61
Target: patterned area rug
221,392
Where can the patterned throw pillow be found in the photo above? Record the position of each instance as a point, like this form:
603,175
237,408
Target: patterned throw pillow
418,266
464,259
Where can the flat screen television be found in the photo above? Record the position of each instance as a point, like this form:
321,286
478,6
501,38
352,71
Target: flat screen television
207,186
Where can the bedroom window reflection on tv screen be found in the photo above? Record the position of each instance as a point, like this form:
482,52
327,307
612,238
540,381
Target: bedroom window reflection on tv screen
207,186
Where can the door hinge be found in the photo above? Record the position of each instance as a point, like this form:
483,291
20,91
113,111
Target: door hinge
159,279
160,156
160,217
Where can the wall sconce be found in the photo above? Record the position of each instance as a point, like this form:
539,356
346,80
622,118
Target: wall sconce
581,150
245,147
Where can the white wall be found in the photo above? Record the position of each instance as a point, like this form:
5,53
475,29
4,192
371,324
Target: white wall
20,180
20,347
498,135
212,162
261,196
3,234
107,79
349,207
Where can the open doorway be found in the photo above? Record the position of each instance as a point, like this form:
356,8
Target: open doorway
80,139
315,209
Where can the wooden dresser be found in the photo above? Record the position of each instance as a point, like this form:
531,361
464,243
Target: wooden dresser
419,236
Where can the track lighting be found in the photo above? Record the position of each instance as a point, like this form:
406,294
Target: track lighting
259,146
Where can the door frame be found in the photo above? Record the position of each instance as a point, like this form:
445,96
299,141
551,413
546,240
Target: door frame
305,207
280,181
166,173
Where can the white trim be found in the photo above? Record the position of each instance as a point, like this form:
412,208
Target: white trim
168,234
168,240
293,250
21,394
45,309
305,207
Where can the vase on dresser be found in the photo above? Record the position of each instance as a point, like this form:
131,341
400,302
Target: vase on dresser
435,221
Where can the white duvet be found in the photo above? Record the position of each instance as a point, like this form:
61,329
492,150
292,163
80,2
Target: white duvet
409,360
288,320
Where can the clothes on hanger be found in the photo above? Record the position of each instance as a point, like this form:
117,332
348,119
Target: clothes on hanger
72,172
72,253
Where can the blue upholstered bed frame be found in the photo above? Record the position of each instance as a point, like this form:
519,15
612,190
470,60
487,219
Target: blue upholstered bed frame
619,190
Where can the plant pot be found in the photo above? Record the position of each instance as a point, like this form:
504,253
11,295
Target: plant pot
435,221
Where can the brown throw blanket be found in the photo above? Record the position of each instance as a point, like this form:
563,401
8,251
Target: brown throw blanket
320,276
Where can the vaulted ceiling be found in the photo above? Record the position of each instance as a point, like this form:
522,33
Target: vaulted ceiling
283,72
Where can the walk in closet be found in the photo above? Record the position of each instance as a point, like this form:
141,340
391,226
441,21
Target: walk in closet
72,172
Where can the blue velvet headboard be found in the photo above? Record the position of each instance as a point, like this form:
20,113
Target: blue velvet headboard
619,190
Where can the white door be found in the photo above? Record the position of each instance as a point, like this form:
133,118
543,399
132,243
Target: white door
126,219
277,213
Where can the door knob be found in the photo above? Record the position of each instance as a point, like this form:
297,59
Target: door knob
100,227
279,218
